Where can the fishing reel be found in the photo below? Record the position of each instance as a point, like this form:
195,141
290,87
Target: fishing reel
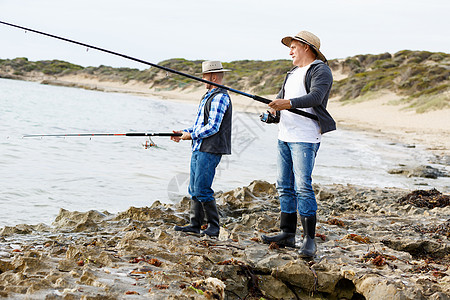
149,143
268,117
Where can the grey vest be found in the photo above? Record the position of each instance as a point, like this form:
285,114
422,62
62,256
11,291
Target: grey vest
220,142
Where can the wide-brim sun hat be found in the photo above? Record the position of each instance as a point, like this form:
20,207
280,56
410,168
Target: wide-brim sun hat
213,66
308,38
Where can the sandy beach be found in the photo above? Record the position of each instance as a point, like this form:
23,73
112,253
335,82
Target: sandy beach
375,115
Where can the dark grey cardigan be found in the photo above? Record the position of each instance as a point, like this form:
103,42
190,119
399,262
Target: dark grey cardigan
318,81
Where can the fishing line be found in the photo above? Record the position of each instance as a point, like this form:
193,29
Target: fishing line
254,97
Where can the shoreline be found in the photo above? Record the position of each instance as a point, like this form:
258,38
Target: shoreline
375,115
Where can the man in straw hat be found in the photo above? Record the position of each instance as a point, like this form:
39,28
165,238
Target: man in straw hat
306,87
211,138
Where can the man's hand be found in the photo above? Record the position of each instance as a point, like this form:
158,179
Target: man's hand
280,104
176,138
186,136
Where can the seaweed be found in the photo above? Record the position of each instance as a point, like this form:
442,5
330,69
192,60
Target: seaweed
426,199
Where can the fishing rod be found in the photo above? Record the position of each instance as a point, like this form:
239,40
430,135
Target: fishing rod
149,134
254,97
149,143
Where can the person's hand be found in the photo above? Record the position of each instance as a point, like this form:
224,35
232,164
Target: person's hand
280,104
186,136
176,138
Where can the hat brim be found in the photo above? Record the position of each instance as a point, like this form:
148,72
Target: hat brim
287,42
216,71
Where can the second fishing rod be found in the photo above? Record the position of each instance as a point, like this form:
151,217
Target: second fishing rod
254,97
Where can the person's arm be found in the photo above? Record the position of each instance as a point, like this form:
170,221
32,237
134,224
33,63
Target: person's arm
219,105
321,81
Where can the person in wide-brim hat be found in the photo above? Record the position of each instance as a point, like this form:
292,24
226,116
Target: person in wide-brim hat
306,88
213,66
211,138
307,38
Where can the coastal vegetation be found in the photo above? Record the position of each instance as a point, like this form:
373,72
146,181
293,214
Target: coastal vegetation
420,78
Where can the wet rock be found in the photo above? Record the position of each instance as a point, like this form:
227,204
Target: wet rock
374,287
87,225
89,278
38,285
256,254
420,248
78,221
156,213
19,229
5,266
275,289
66,265
267,264
211,288
28,263
296,273
137,254
261,188
328,277
420,171
235,283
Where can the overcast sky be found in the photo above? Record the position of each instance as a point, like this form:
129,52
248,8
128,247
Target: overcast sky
224,30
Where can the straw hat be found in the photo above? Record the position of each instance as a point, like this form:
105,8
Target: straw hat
307,38
213,66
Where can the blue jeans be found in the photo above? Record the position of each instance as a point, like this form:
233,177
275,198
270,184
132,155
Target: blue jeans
294,182
203,169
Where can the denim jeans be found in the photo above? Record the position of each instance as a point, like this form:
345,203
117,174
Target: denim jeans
294,182
203,169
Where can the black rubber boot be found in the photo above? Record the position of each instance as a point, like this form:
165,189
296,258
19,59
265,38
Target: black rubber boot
288,225
212,216
309,247
196,216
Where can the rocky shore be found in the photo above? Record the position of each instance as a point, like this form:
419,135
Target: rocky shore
373,244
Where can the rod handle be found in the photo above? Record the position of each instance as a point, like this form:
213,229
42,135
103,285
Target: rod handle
261,99
168,134
153,134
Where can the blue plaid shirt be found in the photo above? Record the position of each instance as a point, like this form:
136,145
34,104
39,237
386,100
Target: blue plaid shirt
199,131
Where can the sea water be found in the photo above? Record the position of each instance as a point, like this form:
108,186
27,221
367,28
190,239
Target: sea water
39,176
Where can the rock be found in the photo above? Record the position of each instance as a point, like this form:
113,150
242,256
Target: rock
261,188
66,265
256,254
70,220
19,229
296,273
212,288
275,261
419,248
420,171
5,266
274,289
374,287
88,278
86,225
386,249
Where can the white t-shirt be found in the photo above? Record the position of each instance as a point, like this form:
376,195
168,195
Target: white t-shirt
293,127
